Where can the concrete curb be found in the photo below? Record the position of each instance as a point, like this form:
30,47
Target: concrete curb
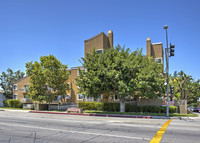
103,115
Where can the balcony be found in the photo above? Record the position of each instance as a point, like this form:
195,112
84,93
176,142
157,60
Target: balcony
24,90
25,100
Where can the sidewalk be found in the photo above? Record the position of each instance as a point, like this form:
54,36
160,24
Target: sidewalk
103,115
15,110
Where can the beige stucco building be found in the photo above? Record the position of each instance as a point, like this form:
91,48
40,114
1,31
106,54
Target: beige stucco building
99,43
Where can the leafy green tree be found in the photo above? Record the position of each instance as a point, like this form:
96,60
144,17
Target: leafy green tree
194,93
150,80
118,72
48,79
185,87
7,81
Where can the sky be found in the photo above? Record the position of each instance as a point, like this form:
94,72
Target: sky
30,29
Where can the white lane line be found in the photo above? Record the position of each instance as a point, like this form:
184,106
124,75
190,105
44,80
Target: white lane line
77,132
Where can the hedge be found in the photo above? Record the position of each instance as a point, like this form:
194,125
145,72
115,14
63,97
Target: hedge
14,103
115,107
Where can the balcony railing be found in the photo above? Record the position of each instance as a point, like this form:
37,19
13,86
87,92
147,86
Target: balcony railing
25,100
24,90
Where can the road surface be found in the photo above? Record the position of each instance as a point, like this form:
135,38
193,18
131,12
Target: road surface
22,127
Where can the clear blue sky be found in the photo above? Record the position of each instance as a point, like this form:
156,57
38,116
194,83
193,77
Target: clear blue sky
33,28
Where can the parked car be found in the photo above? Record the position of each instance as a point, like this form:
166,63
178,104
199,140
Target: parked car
196,110
190,108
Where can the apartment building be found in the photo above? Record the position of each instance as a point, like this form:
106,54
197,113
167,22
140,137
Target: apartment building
100,42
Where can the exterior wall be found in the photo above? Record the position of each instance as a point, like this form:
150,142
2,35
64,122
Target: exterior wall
100,41
148,47
154,50
2,98
73,92
157,50
149,102
21,92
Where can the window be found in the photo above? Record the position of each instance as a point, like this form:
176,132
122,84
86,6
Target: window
67,96
89,98
26,87
78,72
116,98
15,87
80,96
15,96
80,69
99,51
25,96
159,60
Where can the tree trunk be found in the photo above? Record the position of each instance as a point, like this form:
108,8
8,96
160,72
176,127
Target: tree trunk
49,107
122,104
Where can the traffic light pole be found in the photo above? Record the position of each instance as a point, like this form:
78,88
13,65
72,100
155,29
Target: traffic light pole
167,72
169,52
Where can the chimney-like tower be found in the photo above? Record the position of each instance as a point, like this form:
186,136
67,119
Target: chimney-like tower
148,48
110,38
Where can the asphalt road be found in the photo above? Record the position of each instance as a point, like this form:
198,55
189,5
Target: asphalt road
20,127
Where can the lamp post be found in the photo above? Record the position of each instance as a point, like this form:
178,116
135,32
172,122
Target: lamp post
167,70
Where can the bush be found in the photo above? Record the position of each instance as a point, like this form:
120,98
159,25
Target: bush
115,107
5,103
103,106
14,103
172,109
131,108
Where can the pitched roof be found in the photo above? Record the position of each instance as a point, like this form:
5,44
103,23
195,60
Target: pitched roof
20,79
94,36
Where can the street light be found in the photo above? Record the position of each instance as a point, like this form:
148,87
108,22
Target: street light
169,52
167,70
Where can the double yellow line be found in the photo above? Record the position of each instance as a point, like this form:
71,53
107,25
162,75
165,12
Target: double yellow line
160,133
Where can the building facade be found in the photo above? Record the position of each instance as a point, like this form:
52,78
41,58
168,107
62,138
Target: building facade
99,43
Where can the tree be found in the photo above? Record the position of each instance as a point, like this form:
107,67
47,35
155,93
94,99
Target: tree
48,79
194,93
7,81
118,72
185,87
150,80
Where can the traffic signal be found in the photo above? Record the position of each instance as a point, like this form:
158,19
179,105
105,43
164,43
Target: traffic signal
171,90
171,50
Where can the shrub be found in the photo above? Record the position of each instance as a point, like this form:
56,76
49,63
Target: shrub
14,103
5,103
115,107
112,107
172,109
103,106
131,108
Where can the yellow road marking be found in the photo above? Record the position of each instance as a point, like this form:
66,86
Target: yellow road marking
160,133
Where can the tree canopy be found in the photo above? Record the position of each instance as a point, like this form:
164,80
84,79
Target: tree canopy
7,81
48,79
185,87
122,73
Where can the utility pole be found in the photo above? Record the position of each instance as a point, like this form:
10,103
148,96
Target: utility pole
169,52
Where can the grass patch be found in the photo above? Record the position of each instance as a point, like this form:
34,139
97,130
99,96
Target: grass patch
146,114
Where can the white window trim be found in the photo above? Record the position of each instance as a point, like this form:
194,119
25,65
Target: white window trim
78,72
99,50
89,99
67,96
116,99
16,96
157,59
78,96
14,86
